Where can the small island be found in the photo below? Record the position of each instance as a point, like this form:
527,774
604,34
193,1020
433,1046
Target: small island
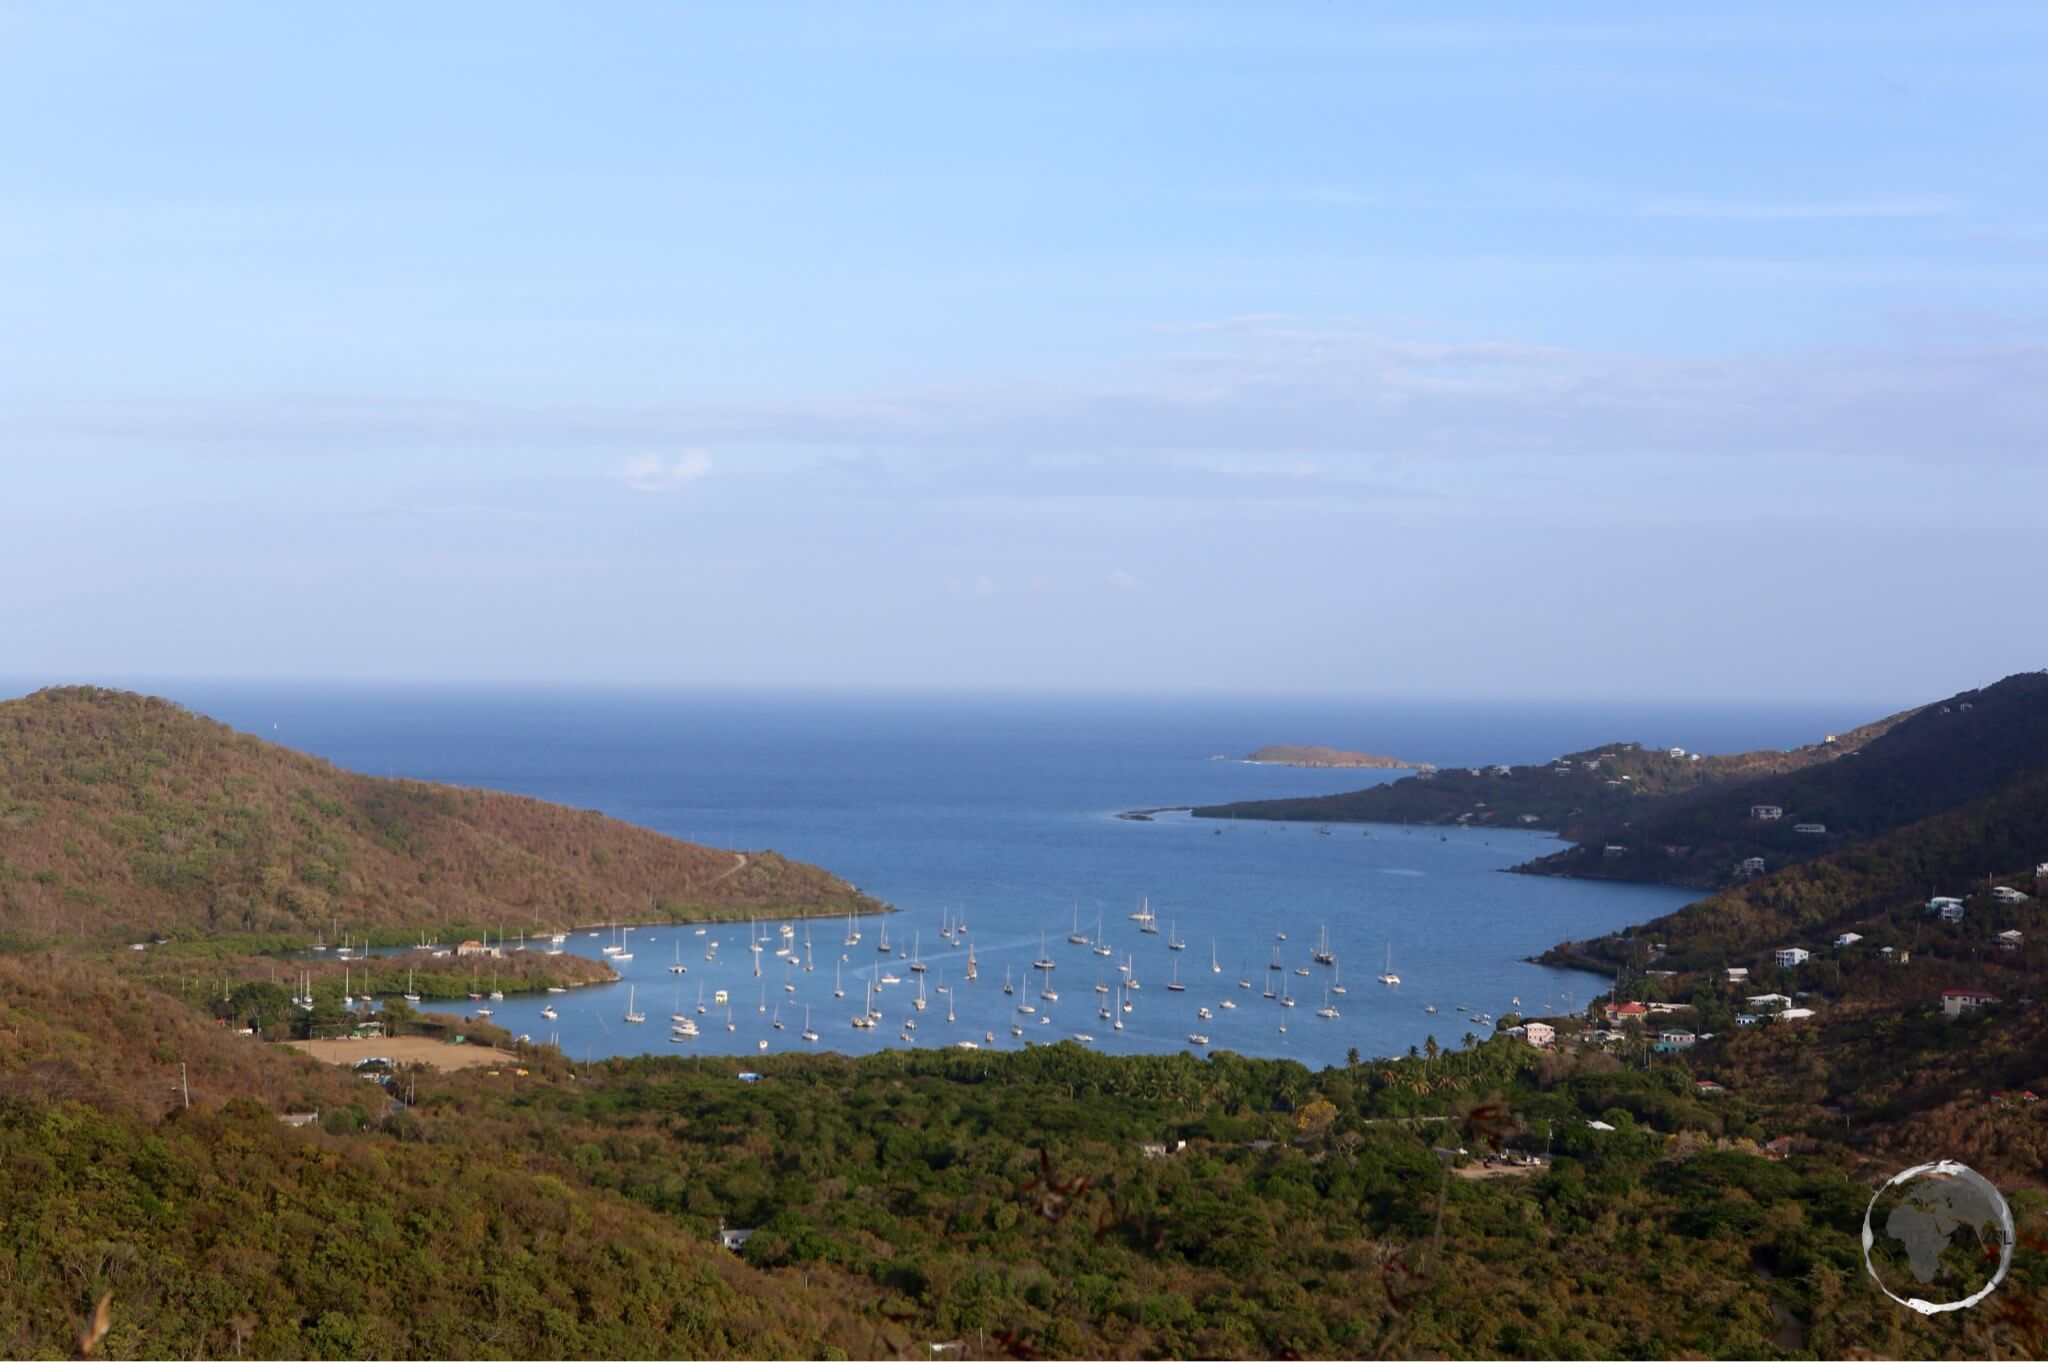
1285,755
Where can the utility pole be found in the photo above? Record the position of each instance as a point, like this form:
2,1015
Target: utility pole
185,1084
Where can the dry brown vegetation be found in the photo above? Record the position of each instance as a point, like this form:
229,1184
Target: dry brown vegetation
123,813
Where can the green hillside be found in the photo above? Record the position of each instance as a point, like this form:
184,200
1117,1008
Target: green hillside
122,814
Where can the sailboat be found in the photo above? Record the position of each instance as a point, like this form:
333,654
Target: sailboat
1173,940
1043,961
866,1019
1322,954
1176,986
1101,946
633,1013
807,1033
883,944
1270,993
700,997
679,1015
852,932
1008,987
1337,979
838,989
973,970
1214,968
1286,998
679,967
918,1001
1326,1010
1077,937
776,1020
548,1012
622,953
1121,1008
1390,977
410,995
1276,960
729,1024
1243,980
916,962
1144,913
946,926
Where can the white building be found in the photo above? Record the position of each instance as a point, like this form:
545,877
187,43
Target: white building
2005,893
1766,813
1956,1001
1848,938
1753,866
1793,955
1736,974
1676,1040
1810,829
1795,1014
1767,1002
1947,909
2010,941
1542,1035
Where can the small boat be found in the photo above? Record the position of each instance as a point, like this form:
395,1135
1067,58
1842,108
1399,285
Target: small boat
1327,1010
1144,913
554,989
838,989
890,977
852,932
548,1012
1390,977
1302,970
698,932
633,1013
1077,937
1337,979
973,970
1176,986
721,998
1204,1013
1431,1009
1229,1004
807,1033
1214,968
679,967
1322,954
1026,1008
1047,995
883,944
1008,987
1084,1038
1173,939
683,1030
1197,1038
1043,961
776,1021
916,964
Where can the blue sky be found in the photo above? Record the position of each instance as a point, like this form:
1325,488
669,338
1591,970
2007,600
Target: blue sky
1568,350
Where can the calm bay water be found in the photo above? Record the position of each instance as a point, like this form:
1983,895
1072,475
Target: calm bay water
1002,809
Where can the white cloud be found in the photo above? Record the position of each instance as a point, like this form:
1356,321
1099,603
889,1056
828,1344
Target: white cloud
652,473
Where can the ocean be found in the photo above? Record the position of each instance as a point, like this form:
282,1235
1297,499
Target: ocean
1001,810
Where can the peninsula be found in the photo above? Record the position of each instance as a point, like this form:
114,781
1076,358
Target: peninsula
1291,755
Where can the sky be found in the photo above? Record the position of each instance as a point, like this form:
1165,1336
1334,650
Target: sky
1601,351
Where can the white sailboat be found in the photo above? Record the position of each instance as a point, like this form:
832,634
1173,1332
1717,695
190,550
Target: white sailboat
1173,939
916,958
838,988
852,932
1077,937
1175,985
1327,1010
808,1033
1390,977
679,967
1044,961
973,970
1101,946
633,1013
1214,967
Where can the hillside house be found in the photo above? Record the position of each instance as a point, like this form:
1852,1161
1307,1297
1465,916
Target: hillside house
1811,829
2040,874
2011,940
1792,955
1528,818
1669,1041
1795,1014
1157,1150
1626,1012
1766,813
1747,1019
1945,908
1767,1002
1736,974
1503,770
1706,1086
2005,893
1676,754
1753,866
1956,1001
1542,1035
734,1240
476,948
1848,938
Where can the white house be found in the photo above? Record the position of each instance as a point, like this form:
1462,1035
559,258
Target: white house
1542,1035
1956,1001
1795,1014
1676,753
1766,813
2010,941
733,1239
1947,909
1736,974
1767,1002
1793,955
1676,1040
1848,938
1753,866
1747,1019
2005,893
1811,829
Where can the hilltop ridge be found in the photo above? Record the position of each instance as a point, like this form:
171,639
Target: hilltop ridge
127,813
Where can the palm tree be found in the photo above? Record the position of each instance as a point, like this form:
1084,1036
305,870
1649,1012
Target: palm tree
1351,1058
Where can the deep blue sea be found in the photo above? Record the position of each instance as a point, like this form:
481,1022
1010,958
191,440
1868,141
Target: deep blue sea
1002,809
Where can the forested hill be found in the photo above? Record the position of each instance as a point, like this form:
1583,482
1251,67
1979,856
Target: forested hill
1561,795
1937,758
120,813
